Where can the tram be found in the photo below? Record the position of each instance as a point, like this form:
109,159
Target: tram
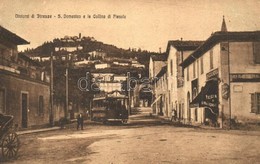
110,108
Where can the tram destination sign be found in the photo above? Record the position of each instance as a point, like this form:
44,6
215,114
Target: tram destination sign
245,77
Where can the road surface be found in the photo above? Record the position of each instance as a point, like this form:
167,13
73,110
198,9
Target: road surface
144,139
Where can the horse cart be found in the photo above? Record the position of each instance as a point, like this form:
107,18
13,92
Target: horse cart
9,142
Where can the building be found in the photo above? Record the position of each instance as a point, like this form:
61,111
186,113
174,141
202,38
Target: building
155,64
109,86
24,86
102,65
176,52
103,76
138,65
160,104
222,79
108,82
97,54
120,78
83,62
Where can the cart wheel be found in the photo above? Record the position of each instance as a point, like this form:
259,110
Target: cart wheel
10,145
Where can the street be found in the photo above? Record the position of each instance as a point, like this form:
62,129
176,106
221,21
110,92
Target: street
145,139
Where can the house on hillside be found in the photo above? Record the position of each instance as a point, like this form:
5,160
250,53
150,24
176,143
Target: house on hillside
102,65
135,63
24,86
103,76
97,54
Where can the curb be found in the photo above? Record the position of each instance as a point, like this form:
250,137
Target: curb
37,130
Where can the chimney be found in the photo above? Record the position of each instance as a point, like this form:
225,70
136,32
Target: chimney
181,39
79,35
160,50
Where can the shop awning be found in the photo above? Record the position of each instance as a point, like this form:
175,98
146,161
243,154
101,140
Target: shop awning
158,98
208,96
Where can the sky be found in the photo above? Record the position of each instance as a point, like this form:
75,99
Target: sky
148,24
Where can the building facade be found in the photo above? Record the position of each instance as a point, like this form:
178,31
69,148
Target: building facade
222,80
160,106
24,86
157,68
177,51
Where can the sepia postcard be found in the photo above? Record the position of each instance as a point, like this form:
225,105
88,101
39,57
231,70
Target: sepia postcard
138,81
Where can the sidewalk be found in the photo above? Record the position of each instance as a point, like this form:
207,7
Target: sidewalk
72,125
37,130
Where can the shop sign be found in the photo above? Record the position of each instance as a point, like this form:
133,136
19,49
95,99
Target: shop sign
210,101
212,74
225,91
245,77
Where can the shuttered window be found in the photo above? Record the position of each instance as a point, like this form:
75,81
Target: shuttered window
255,103
257,52
41,111
2,101
194,70
171,67
201,65
211,59
188,72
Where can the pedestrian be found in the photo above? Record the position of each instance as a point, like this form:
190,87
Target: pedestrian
87,114
173,115
80,121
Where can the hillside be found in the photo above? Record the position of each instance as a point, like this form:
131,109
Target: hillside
89,44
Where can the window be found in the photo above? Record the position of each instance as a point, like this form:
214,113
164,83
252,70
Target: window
40,112
194,70
194,93
169,98
196,114
188,77
2,101
211,59
179,111
183,111
171,67
256,47
255,103
201,65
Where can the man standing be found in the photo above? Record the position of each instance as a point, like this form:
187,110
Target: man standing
80,121
174,113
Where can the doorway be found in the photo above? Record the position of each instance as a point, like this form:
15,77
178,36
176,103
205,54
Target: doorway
188,107
2,101
24,110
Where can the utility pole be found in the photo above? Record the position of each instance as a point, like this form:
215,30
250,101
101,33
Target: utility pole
229,81
128,87
51,91
89,89
67,91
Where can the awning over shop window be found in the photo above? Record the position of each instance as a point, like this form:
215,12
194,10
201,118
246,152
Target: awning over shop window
158,98
208,96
